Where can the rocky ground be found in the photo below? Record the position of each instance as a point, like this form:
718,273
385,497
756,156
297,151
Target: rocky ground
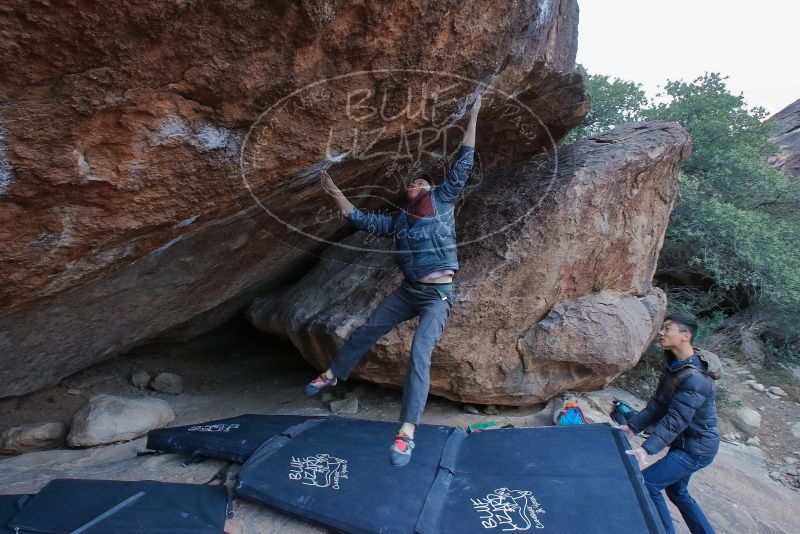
228,373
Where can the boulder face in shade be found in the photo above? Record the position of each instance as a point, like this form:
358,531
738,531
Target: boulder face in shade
123,214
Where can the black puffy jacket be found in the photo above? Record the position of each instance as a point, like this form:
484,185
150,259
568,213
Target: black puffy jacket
682,413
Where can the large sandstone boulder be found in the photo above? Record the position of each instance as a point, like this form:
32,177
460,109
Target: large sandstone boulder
786,134
555,287
159,160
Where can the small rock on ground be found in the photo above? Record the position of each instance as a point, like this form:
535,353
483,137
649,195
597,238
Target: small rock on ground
33,437
108,419
140,378
168,383
469,408
747,420
345,406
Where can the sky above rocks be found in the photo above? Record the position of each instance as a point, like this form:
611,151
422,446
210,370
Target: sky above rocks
649,42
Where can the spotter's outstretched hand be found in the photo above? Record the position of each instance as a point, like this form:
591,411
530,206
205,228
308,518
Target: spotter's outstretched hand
641,457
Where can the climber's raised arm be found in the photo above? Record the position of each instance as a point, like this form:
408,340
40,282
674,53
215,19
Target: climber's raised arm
469,137
333,190
458,172
373,223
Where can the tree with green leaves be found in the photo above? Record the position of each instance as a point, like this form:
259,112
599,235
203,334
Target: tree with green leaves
614,101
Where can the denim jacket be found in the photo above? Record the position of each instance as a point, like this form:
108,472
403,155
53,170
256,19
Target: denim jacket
429,244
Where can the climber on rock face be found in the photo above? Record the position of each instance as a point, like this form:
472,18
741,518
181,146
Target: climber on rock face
425,242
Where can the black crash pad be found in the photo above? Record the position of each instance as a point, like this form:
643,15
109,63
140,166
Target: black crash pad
336,472
121,507
9,506
233,439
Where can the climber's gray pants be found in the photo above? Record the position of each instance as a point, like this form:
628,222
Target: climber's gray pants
432,305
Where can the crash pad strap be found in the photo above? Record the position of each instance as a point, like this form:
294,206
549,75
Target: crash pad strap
276,443
111,511
222,477
428,520
195,458
22,501
221,474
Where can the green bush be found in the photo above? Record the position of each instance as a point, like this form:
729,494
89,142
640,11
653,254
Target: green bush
782,353
743,250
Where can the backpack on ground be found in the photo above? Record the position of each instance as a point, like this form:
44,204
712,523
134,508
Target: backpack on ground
570,414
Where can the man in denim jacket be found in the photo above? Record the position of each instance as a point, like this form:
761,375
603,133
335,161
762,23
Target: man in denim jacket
425,241
682,415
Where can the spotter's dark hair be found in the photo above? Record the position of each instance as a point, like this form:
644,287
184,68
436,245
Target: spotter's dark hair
685,322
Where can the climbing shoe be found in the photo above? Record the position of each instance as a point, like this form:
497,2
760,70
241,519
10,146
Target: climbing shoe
318,384
401,450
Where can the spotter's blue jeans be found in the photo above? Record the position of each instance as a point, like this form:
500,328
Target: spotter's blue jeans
672,473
